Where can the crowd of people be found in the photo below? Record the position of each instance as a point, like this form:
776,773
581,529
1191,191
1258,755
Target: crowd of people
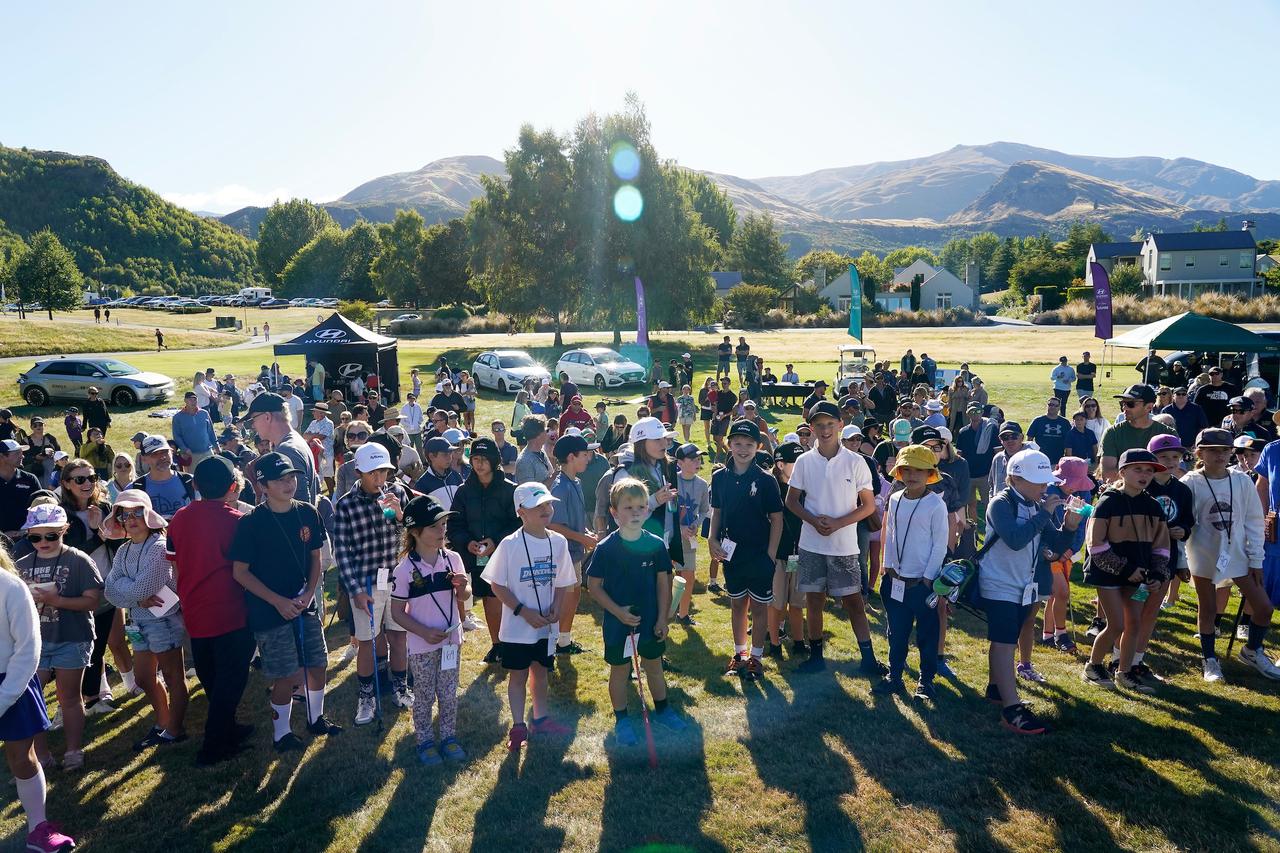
208,548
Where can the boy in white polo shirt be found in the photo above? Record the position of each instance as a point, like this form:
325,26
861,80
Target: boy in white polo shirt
830,491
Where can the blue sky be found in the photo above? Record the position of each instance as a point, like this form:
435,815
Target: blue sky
217,105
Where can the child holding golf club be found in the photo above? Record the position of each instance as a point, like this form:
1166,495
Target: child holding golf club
911,562
529,572
425,590
1226,546
630,578
1128,562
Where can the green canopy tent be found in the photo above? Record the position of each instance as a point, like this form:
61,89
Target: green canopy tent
1192,332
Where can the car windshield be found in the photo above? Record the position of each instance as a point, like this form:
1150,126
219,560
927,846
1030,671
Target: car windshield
518,360
117,368
606,357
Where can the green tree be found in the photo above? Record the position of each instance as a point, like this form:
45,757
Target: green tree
810,262
757,251
358,312
1220,225
908,255
982,247
874,274
750,302
316,269
1127,280
394,272
1002,260
286,228
46,273
361,246
1080,236
711,205
1040,271
917,281
444,270
523,240
955,255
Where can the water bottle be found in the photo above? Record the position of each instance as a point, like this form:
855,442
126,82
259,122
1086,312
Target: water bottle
677,593
793,563
132,633
1141,593
387,512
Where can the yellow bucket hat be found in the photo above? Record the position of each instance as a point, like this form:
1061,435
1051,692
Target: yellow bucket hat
917,456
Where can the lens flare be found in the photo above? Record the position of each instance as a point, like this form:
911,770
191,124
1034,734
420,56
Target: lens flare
625,161
628,204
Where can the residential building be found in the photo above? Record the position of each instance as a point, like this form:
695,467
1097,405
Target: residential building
941,288
1188,264
1109,256
725,281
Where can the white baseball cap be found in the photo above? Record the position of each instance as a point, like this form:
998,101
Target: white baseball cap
647,428
945,433
1034,467
933,405
530,495
372,456
791,436
454,436
664,384
850,431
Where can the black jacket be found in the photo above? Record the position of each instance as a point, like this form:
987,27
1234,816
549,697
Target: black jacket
96,414
482,513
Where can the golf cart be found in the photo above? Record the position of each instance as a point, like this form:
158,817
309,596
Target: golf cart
855,365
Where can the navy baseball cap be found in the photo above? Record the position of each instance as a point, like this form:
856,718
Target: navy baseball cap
745,427
823,407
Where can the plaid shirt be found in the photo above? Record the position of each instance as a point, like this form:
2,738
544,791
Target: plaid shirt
363,539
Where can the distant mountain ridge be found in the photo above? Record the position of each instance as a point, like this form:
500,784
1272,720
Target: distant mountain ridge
1006,187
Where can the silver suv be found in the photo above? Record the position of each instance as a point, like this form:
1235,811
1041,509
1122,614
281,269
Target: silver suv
71,378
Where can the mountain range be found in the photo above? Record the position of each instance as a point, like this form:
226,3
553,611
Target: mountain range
1005,187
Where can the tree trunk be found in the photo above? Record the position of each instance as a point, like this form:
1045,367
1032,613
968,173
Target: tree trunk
617,336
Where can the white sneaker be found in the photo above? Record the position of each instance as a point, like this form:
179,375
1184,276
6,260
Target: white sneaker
404,698
102,706
55,722
364,710
1212,670
471,623
348,655
1242,631
1259,661
191,674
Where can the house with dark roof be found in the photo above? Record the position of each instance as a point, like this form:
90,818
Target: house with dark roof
1188,264
725,281
1109,256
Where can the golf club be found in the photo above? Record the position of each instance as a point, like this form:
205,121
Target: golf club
1236,627
302,659
644,708
373,641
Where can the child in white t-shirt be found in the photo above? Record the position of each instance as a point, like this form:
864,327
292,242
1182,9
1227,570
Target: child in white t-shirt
425,590
530,571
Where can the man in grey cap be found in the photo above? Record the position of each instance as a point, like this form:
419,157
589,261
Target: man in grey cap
270,417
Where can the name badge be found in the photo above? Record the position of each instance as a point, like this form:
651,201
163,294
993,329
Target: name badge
449,657
1224,561
629,647
384,578
728,546
898,589
1029,594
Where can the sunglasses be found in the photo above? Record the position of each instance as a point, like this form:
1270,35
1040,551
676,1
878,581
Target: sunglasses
34,538
126,514
1131,404
81,479
122,465
360,435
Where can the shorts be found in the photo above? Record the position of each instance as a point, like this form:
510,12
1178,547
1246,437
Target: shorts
381,616
980,486
690,561
26,717
650,649
836,575
1271,577
1063,565
722,362
687,420
518,656
751,576
1105,580
704,413
479,586
785,590
69,655
160,635
1005,620
278,647
577,571
720,426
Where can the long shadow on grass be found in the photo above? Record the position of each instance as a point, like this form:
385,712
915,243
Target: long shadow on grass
787,743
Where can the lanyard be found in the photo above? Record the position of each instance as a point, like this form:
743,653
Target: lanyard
448,617
533,581
1231,499
900,539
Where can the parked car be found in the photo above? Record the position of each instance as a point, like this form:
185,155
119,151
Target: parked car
119,383
272,304
329,303
601,367
409,317
506,370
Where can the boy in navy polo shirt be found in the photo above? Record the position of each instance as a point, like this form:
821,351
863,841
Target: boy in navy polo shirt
630,577
746,526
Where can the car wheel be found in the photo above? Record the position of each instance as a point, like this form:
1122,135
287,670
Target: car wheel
35,396
599,382
123,397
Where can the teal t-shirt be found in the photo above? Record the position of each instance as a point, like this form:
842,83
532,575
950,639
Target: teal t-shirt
630,572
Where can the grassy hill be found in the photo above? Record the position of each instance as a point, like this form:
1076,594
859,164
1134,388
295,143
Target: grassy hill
122,234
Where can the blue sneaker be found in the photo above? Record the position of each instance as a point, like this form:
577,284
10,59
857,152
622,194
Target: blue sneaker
427,753
451,750
624,733
944,669
670,720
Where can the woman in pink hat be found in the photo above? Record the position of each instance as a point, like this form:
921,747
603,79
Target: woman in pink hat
1074,474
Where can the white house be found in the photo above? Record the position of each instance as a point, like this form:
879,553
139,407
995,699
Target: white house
1189,264
941,289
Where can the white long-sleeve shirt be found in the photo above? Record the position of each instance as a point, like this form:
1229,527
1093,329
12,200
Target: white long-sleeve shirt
1210,499
19,638
915,535
411,413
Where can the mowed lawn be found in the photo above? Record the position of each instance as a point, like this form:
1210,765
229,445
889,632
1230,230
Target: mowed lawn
791,763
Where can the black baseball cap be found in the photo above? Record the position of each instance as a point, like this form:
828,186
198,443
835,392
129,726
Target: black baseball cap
747,428
689,451
1214,437
1244,404
1010,428
214,477
272,466
788,451
264,403
921,434
487,448
567,445
764,460
823,407
1145,393
1138,456
424,511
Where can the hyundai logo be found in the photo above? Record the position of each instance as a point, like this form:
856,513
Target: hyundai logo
349,370
330,334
